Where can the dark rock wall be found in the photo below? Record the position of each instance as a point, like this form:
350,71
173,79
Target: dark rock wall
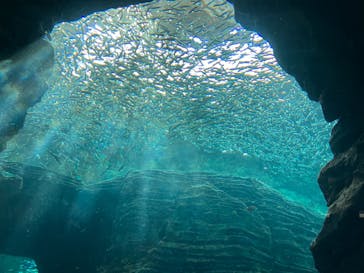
340,245
318,42
22,22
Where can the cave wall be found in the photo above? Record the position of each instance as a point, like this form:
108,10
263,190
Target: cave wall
318,42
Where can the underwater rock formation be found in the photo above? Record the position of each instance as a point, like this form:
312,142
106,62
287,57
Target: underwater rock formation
339,246
152,221
320,43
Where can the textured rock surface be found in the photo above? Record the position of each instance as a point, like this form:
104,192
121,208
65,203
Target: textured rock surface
317,42
320,43
339,246
152,222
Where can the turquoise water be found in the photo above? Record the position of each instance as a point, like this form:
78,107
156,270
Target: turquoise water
176,86
154,221
12,264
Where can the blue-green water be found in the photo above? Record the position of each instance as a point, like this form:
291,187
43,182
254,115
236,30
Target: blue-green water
174,86
11,264
153,221
143,88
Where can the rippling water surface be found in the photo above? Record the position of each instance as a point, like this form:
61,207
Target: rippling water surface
174,86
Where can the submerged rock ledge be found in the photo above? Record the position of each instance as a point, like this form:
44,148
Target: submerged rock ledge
152,221
319,43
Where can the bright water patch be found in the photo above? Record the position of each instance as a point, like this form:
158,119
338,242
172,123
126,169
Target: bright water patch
173,85
12,264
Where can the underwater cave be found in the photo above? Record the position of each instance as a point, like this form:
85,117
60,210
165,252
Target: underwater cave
160,137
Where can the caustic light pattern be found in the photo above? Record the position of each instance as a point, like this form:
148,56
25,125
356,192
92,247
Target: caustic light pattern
172,85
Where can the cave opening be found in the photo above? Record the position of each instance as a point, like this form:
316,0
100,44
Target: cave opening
178,88
145,87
